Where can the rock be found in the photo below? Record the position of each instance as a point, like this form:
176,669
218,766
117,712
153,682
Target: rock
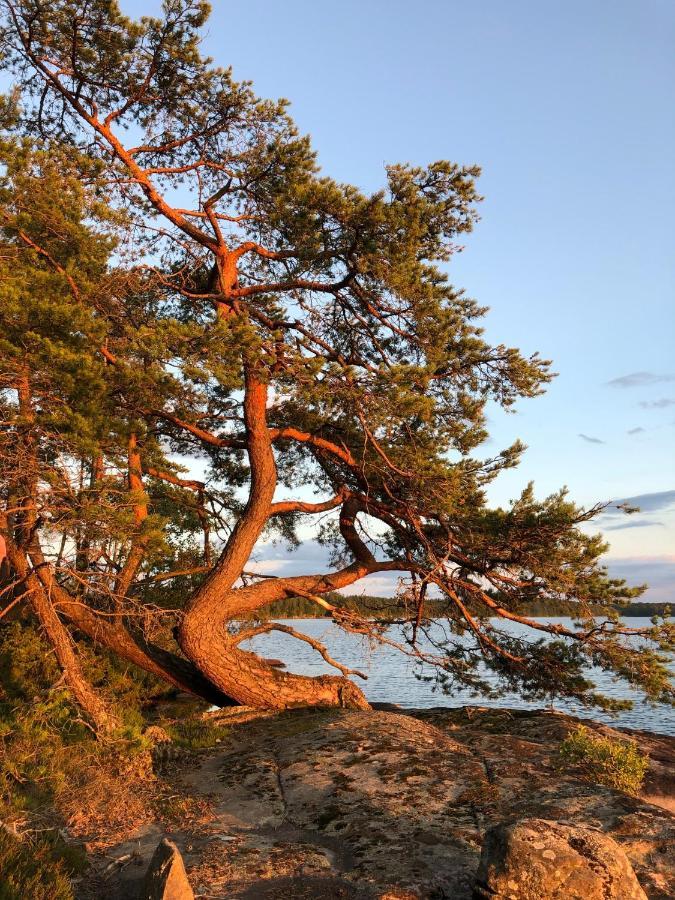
535,859
166,878
367,805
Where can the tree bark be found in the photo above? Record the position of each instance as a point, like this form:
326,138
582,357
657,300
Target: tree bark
204,634
112,633
96,710
246,676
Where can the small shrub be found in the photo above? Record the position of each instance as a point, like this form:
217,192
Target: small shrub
617,764
51,765
30,870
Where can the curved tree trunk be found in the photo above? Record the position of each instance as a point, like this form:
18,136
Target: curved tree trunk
203,634
253,682
215,668
245,676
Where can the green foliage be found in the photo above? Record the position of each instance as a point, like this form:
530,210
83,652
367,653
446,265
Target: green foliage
30,870
617,764
43,746
40,729
53,770
130,317
196,734
46,745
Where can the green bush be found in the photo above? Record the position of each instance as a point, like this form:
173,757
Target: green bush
44,743
31,869
617,764
40,729
52,769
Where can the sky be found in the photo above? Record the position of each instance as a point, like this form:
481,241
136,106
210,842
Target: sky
569,108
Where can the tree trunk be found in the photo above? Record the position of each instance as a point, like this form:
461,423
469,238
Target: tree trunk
99,714
253,682
245,676
204,635
96,710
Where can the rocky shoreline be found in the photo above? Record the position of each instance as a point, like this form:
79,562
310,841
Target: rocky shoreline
397,804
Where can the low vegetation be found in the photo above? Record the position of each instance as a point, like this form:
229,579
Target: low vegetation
35,869
196,734
618,764
57,777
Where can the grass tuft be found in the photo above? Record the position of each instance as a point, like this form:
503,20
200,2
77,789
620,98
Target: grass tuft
196,734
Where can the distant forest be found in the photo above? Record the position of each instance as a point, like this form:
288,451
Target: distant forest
385,607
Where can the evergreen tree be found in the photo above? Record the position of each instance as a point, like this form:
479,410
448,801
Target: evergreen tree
284,330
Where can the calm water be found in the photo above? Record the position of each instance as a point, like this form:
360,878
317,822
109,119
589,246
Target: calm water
391,676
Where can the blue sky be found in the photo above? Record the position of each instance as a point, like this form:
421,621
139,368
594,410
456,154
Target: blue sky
570,110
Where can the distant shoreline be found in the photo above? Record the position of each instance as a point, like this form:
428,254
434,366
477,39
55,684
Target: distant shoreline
327,616
371,607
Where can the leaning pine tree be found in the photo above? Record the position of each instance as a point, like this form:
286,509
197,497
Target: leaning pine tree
283,330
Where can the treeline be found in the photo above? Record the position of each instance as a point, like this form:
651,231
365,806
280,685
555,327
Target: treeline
647,609
386,607
304,608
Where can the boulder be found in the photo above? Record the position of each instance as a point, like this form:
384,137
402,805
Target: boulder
535,859
166,878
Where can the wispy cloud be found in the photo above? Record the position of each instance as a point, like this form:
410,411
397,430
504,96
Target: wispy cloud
663,403
647,503
637,430
640,523
308,557
589,439
383,585
640,379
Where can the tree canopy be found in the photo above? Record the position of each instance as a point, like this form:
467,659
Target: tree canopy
180,281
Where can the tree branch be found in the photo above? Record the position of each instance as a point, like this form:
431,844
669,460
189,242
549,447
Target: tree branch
286,629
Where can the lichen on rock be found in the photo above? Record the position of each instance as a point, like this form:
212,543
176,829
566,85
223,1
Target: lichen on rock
535,859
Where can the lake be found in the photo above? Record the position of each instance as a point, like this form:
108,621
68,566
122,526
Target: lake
391,676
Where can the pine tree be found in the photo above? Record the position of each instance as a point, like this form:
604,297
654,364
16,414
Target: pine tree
284,330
